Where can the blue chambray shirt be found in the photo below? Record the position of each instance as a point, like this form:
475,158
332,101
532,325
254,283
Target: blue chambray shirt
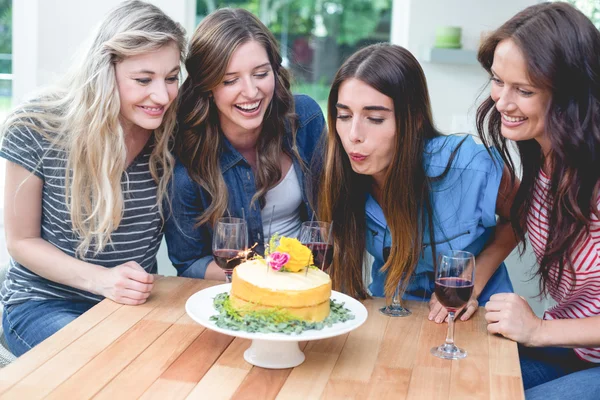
464,205
190,247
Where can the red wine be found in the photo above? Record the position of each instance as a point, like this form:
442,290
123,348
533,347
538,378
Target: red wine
322,254
227,259
453,293
386,254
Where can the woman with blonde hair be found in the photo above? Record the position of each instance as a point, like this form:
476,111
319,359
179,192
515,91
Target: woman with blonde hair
244,144
88,164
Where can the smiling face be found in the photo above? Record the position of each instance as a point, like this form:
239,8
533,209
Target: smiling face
366,125
246,91
147,85
521,104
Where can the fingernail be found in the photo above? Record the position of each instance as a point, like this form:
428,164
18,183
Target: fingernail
437,320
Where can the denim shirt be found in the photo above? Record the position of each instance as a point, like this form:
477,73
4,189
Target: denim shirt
190,247
464,207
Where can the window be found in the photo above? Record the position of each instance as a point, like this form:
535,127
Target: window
316,36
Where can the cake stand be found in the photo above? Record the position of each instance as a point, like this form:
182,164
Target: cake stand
272,350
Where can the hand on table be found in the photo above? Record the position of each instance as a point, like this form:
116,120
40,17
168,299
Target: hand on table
439,314
511,316
127,283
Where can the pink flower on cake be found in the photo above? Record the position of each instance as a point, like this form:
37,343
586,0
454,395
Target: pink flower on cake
278,259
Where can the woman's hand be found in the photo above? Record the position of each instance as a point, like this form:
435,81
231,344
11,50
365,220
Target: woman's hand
439,314
214,273
511,316
127,283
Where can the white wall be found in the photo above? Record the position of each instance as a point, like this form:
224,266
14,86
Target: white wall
48,33
454,89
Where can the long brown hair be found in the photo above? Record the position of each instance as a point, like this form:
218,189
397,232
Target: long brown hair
561,48
393,71
199,141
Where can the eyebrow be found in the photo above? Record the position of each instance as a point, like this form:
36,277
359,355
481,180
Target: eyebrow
147,71
514,83
366,108
255,68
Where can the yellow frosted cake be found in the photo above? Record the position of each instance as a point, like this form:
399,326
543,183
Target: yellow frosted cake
305,296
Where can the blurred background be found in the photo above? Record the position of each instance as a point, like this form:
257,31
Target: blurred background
39,38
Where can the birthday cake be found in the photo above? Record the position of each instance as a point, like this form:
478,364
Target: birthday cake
284,281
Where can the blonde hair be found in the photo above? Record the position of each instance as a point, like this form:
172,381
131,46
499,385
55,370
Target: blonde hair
81,117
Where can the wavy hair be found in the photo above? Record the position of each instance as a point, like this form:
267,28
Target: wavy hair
561,47
199,142
82,117
394,72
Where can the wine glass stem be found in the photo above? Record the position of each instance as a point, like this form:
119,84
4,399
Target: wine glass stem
228,276
450,335
396,297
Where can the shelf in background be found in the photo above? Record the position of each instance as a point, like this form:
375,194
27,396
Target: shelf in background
450,56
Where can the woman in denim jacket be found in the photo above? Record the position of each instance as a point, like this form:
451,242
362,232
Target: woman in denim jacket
245,144
391,178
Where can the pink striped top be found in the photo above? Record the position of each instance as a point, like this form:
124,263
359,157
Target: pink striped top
578,295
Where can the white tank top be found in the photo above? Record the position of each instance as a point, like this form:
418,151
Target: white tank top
287,198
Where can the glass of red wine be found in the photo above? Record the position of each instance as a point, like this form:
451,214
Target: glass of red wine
316,235
230,241
454,277
394,308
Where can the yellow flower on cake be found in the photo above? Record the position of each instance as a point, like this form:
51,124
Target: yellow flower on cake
300,255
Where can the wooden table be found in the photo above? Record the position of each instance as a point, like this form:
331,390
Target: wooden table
156,351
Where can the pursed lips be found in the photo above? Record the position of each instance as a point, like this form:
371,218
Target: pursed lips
357,156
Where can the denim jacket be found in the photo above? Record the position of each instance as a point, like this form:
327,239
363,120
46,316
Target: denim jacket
464,206
190,247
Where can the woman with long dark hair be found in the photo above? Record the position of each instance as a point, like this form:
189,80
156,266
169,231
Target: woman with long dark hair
389,173
544,65
244,144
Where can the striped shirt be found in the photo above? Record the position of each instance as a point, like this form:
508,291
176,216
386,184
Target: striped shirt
137,238
578,295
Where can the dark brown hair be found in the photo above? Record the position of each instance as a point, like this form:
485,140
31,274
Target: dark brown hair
199,141
562,51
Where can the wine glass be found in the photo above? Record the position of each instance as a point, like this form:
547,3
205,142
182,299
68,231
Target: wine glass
394,308
316,235
230,241
454,277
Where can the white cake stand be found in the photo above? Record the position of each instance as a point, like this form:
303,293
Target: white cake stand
272,350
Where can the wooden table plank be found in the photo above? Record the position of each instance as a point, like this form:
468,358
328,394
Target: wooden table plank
391,376
133,381
75,356
321,357
227,374
470,376
355,365
505,374
427,368
50,347
263,383
181,376
116,357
